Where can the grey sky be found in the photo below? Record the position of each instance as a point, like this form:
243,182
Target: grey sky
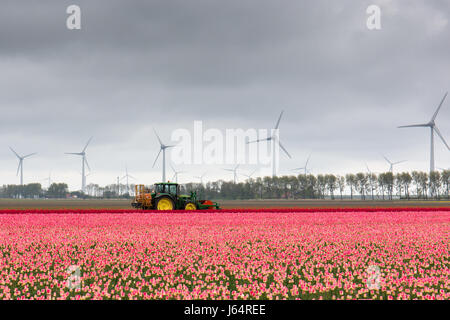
135,65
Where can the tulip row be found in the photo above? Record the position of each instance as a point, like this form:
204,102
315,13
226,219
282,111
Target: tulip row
236,210
232,255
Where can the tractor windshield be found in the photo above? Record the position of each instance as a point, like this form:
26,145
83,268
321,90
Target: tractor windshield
159,188
172,189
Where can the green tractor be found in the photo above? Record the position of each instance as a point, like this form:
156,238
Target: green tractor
166,196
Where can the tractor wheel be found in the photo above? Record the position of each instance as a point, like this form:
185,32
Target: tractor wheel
165,203
190,206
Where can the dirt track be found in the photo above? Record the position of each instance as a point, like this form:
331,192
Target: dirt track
226,204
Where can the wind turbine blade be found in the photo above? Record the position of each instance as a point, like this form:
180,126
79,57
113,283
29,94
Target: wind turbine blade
440,136
156,157
228,169
18,167
284,149
306,165
85,160
29,155
298,169
440,105
279,118
415,125
130,176
259,140
15,152
236,167
89,141
75,153
172,167
399,162
387,159
159,139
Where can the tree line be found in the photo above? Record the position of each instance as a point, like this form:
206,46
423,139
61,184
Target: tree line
61,190
34,190
365,186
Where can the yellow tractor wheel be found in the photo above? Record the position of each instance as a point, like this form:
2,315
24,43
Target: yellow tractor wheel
165,203
190,206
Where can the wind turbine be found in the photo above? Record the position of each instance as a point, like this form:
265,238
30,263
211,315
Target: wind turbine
163,148
433,128
200,177
126,176
20,167
49,179
305,167
176,173
83,162
392,164
249,176
274,137
234,173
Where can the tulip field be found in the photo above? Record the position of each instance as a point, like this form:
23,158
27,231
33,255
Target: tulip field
228,254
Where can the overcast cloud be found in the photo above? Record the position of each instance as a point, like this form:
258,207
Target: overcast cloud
136,65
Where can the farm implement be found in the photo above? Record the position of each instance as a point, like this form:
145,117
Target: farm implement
166,196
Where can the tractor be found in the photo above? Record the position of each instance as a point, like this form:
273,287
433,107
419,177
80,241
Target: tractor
166,196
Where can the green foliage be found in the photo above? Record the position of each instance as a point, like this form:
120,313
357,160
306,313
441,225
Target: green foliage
386,185
57,190
362,185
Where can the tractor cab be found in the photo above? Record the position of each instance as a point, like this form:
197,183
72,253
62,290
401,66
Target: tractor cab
170,188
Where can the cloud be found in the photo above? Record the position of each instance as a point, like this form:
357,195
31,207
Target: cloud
137,65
